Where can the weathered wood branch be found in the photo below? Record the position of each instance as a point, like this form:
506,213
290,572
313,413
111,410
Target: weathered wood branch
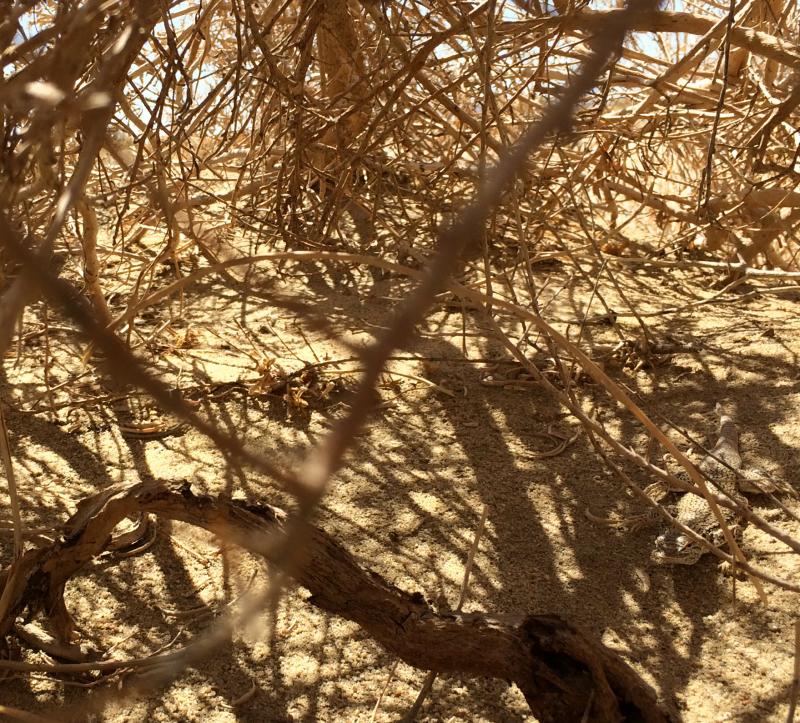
559,668
663,21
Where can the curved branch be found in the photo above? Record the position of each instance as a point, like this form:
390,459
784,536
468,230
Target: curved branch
562,672
664,21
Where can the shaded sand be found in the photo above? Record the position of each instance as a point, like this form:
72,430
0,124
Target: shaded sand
409,499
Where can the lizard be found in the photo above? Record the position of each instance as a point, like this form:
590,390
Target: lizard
723,468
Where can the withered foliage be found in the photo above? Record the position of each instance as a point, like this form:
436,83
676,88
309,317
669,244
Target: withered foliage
420,138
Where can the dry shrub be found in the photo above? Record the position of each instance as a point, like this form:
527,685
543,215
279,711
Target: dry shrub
141,139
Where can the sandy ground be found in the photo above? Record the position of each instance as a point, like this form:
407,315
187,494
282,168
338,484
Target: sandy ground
408,502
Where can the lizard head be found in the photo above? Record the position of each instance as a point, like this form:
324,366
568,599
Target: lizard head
674,548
